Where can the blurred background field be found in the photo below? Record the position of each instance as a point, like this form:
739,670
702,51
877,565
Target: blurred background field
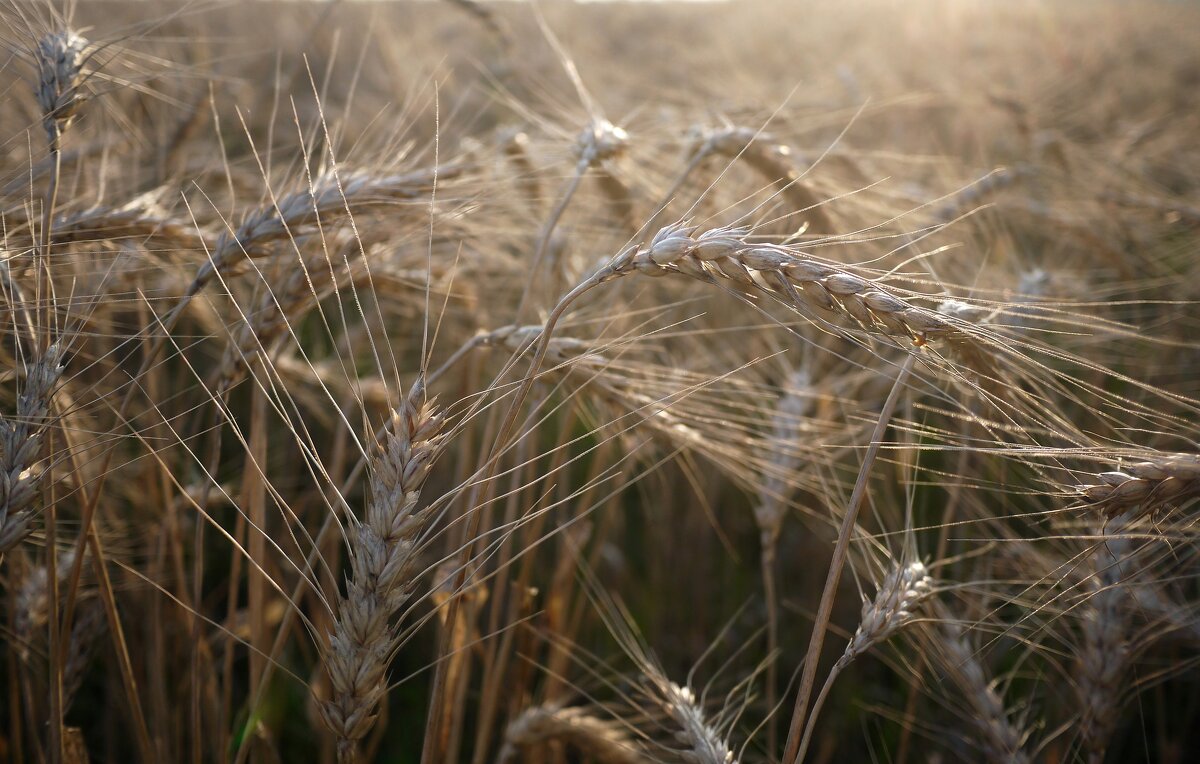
244,231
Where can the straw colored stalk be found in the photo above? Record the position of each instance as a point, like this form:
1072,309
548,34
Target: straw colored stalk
383,565
600,740
22,465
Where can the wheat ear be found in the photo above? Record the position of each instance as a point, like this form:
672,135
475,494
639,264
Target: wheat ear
600,740
999,739
1145,485
141,218
1104,653
703,743
773,160
796,278
383,558
599,141
894,606
21,464
331,199
59,57
783,460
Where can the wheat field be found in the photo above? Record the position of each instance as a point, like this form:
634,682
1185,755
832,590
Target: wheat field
478,382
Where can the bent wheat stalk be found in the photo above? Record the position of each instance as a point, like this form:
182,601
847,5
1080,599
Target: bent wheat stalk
792,749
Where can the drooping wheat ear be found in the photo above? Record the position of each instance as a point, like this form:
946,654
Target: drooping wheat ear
331,199
305,283
140,218
21,437
1144,486
1183,211
383,559
796,278
600,141
998,738
1104,652
975,194
59,57
89,624
771,159
895,605
515,145
600,740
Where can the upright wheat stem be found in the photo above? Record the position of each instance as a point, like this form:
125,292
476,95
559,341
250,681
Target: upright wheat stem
825,609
